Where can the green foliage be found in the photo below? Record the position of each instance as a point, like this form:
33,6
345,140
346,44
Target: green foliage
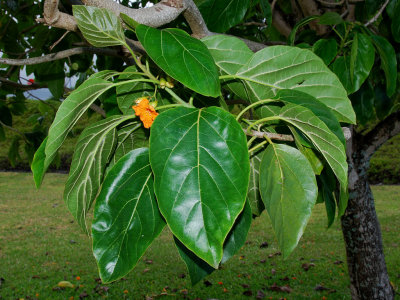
213,167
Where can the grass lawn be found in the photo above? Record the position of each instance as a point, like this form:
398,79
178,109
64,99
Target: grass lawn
40,245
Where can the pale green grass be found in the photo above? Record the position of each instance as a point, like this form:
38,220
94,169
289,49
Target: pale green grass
40,245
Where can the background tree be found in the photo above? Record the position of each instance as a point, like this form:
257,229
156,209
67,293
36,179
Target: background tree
358,40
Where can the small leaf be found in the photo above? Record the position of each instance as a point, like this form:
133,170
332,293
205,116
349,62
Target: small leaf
220,15
99,26
201,167
182,57
126,216
363,103
298,25
388,62
37,166
131,23
330,18
289,191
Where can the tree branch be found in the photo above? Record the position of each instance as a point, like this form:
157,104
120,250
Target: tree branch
272,136
22,87
380,11
280,24
385,130
59,55
195,20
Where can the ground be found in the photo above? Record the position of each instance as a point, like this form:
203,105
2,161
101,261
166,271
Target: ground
41,245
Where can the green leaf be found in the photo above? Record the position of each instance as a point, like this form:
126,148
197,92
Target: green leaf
388,62
327,186
361,60
69,112
282,67
253,194
382,102
220,15
363,103
128,93
93,151
126,216
201,167
327,143
289,191
326,49
317,107
99,26
2,134
198,268
182,57
37,166
330,18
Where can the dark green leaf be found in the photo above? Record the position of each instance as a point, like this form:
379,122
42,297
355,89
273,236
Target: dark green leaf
182,57
383,103
267,12
126,216
13,152
361,60
131,23
327,186
289,191
388,62
326,49
363,103
298,25
93,151
198,268
99,26
396,23
201,167
220,15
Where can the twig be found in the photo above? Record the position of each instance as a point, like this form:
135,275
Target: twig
59,40
272,136
380,11
327,3
15,130
21,87
59,55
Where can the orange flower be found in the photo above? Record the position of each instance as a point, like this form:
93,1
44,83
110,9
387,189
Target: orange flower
145,111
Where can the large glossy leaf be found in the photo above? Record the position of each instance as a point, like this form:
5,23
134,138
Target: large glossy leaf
316,106
201,167
253,194
220,15
93,151
198,268
69,113
388,62
289,191
182,57
126,216
327,143
99,26
128,93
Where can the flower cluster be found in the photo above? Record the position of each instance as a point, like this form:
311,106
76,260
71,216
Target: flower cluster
145,111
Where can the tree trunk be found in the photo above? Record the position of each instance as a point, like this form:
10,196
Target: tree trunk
362,235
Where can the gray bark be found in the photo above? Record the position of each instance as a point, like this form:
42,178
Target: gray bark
361,231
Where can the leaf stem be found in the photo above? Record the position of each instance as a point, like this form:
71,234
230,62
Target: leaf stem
168,106
177,98
139,63
264,120
135,80
251,140
258,146
253,105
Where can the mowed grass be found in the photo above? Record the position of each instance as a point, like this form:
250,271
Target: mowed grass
40,245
